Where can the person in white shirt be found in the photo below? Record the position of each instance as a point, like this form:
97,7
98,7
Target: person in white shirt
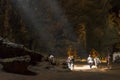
51,59
97,61
90,61
70,62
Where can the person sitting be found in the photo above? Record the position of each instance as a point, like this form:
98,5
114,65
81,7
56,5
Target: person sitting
51,59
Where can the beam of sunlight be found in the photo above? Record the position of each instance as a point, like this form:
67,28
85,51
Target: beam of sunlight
36,14
60,15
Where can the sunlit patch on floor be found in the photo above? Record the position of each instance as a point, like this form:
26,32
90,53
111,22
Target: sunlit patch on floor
87,68
82,67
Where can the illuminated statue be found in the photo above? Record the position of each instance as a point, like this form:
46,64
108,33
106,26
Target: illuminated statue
72,52
93,53
68,51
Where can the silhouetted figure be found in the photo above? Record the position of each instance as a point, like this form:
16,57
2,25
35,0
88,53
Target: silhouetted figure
108,58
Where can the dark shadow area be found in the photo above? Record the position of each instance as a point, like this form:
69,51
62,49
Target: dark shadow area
17,68
27,72
15,58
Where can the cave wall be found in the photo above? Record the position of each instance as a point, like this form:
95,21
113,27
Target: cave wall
41,26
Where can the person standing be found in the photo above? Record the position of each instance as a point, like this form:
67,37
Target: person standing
70,62
108,58
97,61
90,61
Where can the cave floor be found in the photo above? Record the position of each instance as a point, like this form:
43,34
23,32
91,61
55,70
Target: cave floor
89,74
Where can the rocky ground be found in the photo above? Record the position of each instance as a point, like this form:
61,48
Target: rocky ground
57,73
19,63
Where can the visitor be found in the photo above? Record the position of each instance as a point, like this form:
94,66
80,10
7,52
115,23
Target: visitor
90,61
97,61
70,62
51,59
